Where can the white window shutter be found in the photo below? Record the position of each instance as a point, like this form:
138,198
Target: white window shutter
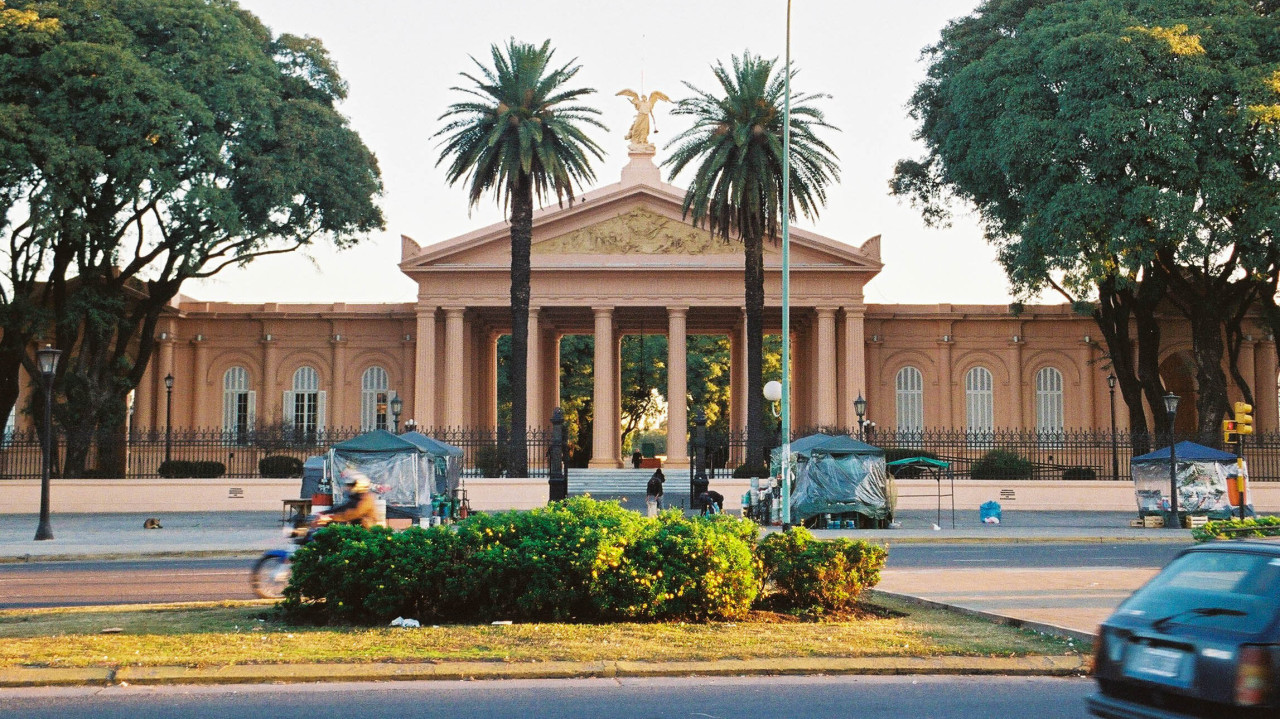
229,411
253,409
320,415
287,416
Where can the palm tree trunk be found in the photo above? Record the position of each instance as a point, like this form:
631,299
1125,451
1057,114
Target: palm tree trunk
521,239
753,250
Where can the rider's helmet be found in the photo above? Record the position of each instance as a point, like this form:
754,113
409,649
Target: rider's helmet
355,481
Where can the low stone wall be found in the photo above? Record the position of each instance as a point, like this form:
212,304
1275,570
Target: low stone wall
22,496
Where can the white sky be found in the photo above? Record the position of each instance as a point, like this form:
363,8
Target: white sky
401,57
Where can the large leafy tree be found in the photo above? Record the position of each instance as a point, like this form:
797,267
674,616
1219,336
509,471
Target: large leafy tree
735,148
520,136
148,142
1123,153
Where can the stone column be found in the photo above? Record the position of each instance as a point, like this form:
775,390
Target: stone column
1087,386
336,407
533,374
1017,403
604,442
455,383
550,374
946,419
269,406
855,364
677,388
1246,363
1264,387
825,366
424,371
199,382
164,366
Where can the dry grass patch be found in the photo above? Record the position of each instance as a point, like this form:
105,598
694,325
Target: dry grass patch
251,633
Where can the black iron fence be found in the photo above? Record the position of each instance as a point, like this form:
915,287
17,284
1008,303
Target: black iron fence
1067,454
484,450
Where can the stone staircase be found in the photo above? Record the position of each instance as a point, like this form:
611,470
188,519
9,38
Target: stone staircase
603,483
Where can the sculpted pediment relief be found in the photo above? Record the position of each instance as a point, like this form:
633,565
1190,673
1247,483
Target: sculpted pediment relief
638,232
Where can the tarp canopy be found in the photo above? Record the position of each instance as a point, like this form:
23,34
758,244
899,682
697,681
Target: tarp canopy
1187,452
836,474
405,470
919,460
1201,479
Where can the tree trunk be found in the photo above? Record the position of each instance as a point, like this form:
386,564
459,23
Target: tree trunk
1115,309
1207,341
753,251
521,239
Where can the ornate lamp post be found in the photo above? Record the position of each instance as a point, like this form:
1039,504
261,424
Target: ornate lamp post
1115,452
397,405
860,407
168,417
411,425
47,361
1171,410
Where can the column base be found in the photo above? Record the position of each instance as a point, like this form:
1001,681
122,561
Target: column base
675,463
604,464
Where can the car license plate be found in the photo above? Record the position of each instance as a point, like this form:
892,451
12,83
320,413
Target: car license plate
1160,664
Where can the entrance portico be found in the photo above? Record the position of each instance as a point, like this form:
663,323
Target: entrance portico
622,261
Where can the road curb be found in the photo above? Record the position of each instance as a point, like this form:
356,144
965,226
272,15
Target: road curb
1036,665
1041,627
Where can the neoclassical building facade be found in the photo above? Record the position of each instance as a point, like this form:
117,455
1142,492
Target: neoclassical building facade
623,261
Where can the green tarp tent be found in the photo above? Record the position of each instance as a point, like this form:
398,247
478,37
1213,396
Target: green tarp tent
405,470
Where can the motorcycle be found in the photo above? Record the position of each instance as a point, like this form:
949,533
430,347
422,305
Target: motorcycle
272,571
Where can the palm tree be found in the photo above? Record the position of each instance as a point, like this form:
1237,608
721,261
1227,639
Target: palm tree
519,135
736,146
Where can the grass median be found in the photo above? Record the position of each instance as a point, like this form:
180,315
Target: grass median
228,633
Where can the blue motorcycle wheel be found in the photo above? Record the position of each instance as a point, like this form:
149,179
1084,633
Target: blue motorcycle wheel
270,576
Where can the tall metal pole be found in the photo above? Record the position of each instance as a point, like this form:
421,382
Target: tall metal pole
786,283
47,361
168,417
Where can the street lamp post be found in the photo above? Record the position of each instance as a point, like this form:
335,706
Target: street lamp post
860,407
1171,410
168,417
47,361
786,284
397,405
1115,451
411,425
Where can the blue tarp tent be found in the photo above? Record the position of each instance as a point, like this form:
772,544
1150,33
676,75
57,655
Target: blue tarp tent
836,474
1202,477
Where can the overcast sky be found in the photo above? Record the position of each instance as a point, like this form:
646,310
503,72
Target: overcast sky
400,57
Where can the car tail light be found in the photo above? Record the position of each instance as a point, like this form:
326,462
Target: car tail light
1253,676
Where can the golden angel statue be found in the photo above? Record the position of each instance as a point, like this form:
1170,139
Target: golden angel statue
639,132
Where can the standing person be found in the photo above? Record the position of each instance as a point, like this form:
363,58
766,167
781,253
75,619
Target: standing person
653,493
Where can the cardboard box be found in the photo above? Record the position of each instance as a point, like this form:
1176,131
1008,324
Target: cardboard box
1153,521
1193,521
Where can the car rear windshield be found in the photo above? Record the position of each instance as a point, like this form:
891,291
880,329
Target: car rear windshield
1213,580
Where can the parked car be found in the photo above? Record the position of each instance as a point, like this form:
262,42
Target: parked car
1201,639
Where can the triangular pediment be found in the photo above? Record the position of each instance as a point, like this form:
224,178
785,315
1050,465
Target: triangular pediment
629,223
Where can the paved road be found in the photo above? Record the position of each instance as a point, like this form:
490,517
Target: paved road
78,583
698,697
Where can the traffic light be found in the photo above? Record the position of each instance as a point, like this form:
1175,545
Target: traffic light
1244,420
1229,435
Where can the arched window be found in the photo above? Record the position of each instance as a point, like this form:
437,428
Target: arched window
304,403
909,392
238,404
979,402
374,396
1049,402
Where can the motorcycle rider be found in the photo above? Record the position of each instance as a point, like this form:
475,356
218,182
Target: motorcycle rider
359,507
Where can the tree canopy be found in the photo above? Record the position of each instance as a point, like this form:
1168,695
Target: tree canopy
146,143
1122,153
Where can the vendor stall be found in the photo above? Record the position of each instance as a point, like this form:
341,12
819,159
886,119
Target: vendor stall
405,471
1201,478
837,475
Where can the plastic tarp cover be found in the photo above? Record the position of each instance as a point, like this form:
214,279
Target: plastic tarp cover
845,483
402,479
1202,487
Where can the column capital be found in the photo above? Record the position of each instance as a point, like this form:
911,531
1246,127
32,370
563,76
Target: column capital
677,311
605,310
454,310
826,310
859,310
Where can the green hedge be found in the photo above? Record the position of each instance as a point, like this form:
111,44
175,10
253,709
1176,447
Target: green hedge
1001,464
183,469
810,574
1238,528
574,560
1079,473
746,471
280,466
